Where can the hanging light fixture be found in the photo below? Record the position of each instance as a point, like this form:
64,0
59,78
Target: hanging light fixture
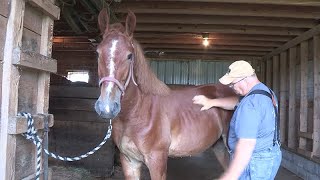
205,41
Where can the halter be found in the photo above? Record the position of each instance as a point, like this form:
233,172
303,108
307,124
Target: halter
121,87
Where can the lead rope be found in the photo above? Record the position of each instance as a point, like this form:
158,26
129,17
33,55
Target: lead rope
32,135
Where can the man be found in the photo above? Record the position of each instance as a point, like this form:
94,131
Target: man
253,138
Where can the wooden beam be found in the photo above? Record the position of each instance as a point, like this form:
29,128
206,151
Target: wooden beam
203,57
35,61
213,36
9,86
226,9
224,20
168,47
269,73
292,131
19,125
219,29
316,97
305,36
211,41
303,92
277,2
283,96
306,135
275,75
47,7
206,51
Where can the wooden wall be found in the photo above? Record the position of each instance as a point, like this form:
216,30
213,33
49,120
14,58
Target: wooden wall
25,51
293,74
78,129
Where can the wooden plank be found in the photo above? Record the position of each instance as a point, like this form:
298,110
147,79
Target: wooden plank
226,9
316,98
74,92
192,57
47,7
253,37
72,104
303,92
44,77
269,73
149,47
292,129
305,36
4,7
275,75
227,20
278,2
9,86
3,23
283,96
215,42
306,135
263,71
32,19
219,29
18,124
304,152
30,41
36,61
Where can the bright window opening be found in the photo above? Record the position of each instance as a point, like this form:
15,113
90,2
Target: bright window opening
78,76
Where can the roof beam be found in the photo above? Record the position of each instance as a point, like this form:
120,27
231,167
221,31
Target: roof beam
224,20
274,2
219,29
211,41
305,36
206,8
151,47
203,57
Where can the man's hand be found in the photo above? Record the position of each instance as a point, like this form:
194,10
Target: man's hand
203,101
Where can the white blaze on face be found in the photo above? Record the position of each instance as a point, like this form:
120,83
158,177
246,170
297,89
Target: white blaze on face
111,63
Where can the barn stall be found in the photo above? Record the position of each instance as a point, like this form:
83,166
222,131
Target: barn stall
279,38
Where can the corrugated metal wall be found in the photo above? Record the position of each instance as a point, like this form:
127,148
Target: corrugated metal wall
189,72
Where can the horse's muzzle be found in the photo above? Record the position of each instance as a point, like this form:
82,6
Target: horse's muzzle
107,110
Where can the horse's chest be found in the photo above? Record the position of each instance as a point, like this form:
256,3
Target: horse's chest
129,148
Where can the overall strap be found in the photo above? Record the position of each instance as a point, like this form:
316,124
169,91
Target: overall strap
276,137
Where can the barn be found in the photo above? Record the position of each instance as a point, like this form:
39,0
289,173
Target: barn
46,45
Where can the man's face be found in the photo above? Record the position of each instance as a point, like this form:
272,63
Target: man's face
238,86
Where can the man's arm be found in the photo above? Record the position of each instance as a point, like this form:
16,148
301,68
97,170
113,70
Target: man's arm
227,103
242,156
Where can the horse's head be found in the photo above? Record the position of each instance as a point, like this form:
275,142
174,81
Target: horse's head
115,63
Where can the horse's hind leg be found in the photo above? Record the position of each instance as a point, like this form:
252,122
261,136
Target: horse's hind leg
131,167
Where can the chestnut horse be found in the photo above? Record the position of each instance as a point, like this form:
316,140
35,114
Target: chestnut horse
151,121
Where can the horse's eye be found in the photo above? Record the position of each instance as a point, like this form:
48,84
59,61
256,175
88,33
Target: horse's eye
130,57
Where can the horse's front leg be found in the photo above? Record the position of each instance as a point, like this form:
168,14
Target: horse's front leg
131,167
157,165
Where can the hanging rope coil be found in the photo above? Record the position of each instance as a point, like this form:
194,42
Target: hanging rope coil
32,135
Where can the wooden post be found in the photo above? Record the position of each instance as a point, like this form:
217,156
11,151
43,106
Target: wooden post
9,86
292,131
316,98
304,93
283,96
275,75
268,72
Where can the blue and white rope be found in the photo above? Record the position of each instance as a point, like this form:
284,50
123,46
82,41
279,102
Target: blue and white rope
32,135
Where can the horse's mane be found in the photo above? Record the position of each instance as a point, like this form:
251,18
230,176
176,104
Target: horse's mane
147,80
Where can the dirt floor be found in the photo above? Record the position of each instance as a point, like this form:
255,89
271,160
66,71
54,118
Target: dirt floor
196,167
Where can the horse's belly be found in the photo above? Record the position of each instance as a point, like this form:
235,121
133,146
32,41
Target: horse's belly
186,145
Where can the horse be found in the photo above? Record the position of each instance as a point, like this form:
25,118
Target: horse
151,122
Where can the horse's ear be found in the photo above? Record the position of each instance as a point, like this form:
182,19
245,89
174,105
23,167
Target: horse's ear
130,23
103,20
